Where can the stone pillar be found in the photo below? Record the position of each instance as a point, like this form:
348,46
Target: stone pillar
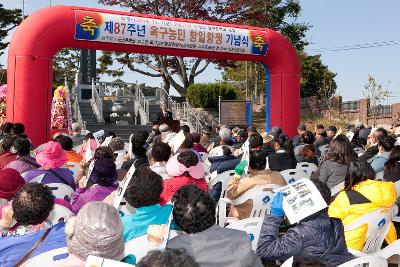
395,112
363,107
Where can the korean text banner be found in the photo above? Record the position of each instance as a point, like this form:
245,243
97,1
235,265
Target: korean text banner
113,28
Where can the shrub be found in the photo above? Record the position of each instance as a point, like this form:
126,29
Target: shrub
203,95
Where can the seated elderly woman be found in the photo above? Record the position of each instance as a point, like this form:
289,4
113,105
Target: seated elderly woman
24,161
10,182
31,207
184,168
97,231
160,154
52,158
258,176
102,181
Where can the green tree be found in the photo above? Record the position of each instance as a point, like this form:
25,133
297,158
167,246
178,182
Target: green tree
65,66
180,72
9,19
315,78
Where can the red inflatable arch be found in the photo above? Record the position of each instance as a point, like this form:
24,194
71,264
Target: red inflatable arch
41,35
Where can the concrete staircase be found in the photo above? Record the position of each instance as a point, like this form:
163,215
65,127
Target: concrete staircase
123,131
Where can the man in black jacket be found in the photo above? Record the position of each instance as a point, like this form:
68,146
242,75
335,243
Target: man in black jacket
164,114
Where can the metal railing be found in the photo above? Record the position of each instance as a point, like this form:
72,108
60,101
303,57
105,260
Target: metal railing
143,102
97,104
380,111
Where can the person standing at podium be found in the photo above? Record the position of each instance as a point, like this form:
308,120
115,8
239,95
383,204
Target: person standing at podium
164,114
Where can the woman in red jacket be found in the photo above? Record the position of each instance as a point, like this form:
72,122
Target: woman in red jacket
185,169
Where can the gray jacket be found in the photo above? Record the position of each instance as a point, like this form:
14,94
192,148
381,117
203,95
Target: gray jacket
330,173
218,246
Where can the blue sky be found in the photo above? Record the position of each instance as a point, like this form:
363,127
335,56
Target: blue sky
336,23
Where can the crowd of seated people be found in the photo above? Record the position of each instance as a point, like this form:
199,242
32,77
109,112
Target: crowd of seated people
167,190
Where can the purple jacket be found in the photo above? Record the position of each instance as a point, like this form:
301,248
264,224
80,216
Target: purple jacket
21,166
86,195
50,177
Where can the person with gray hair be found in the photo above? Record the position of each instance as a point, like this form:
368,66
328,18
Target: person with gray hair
96,230
117,146
77,138
164,131
224,140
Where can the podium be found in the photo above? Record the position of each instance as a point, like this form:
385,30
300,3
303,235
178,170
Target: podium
174,125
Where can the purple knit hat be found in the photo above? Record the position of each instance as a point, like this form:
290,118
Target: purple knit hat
104,172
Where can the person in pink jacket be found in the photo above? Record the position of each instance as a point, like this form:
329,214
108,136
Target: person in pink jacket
101,183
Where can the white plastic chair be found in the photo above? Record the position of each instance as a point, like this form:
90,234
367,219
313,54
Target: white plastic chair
378,222
389,251
54,258
94,261
397,185
252,226
137,247
74,167
337,188
324,149
204,156
261,196
60,212
125,209
359,150
307,167
224,178
368,261
293,175
62,191
379,176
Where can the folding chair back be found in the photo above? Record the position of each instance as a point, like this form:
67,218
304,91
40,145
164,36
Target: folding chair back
378,222
292,175
308,168
252,226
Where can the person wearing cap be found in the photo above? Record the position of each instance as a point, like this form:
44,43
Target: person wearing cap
300,130
31,207
10,182
331,132
321,140
241,137
205,139
276,131
67,144
8,155
184,168
102,181
24,161
196,143
267,146
52,157
96,230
